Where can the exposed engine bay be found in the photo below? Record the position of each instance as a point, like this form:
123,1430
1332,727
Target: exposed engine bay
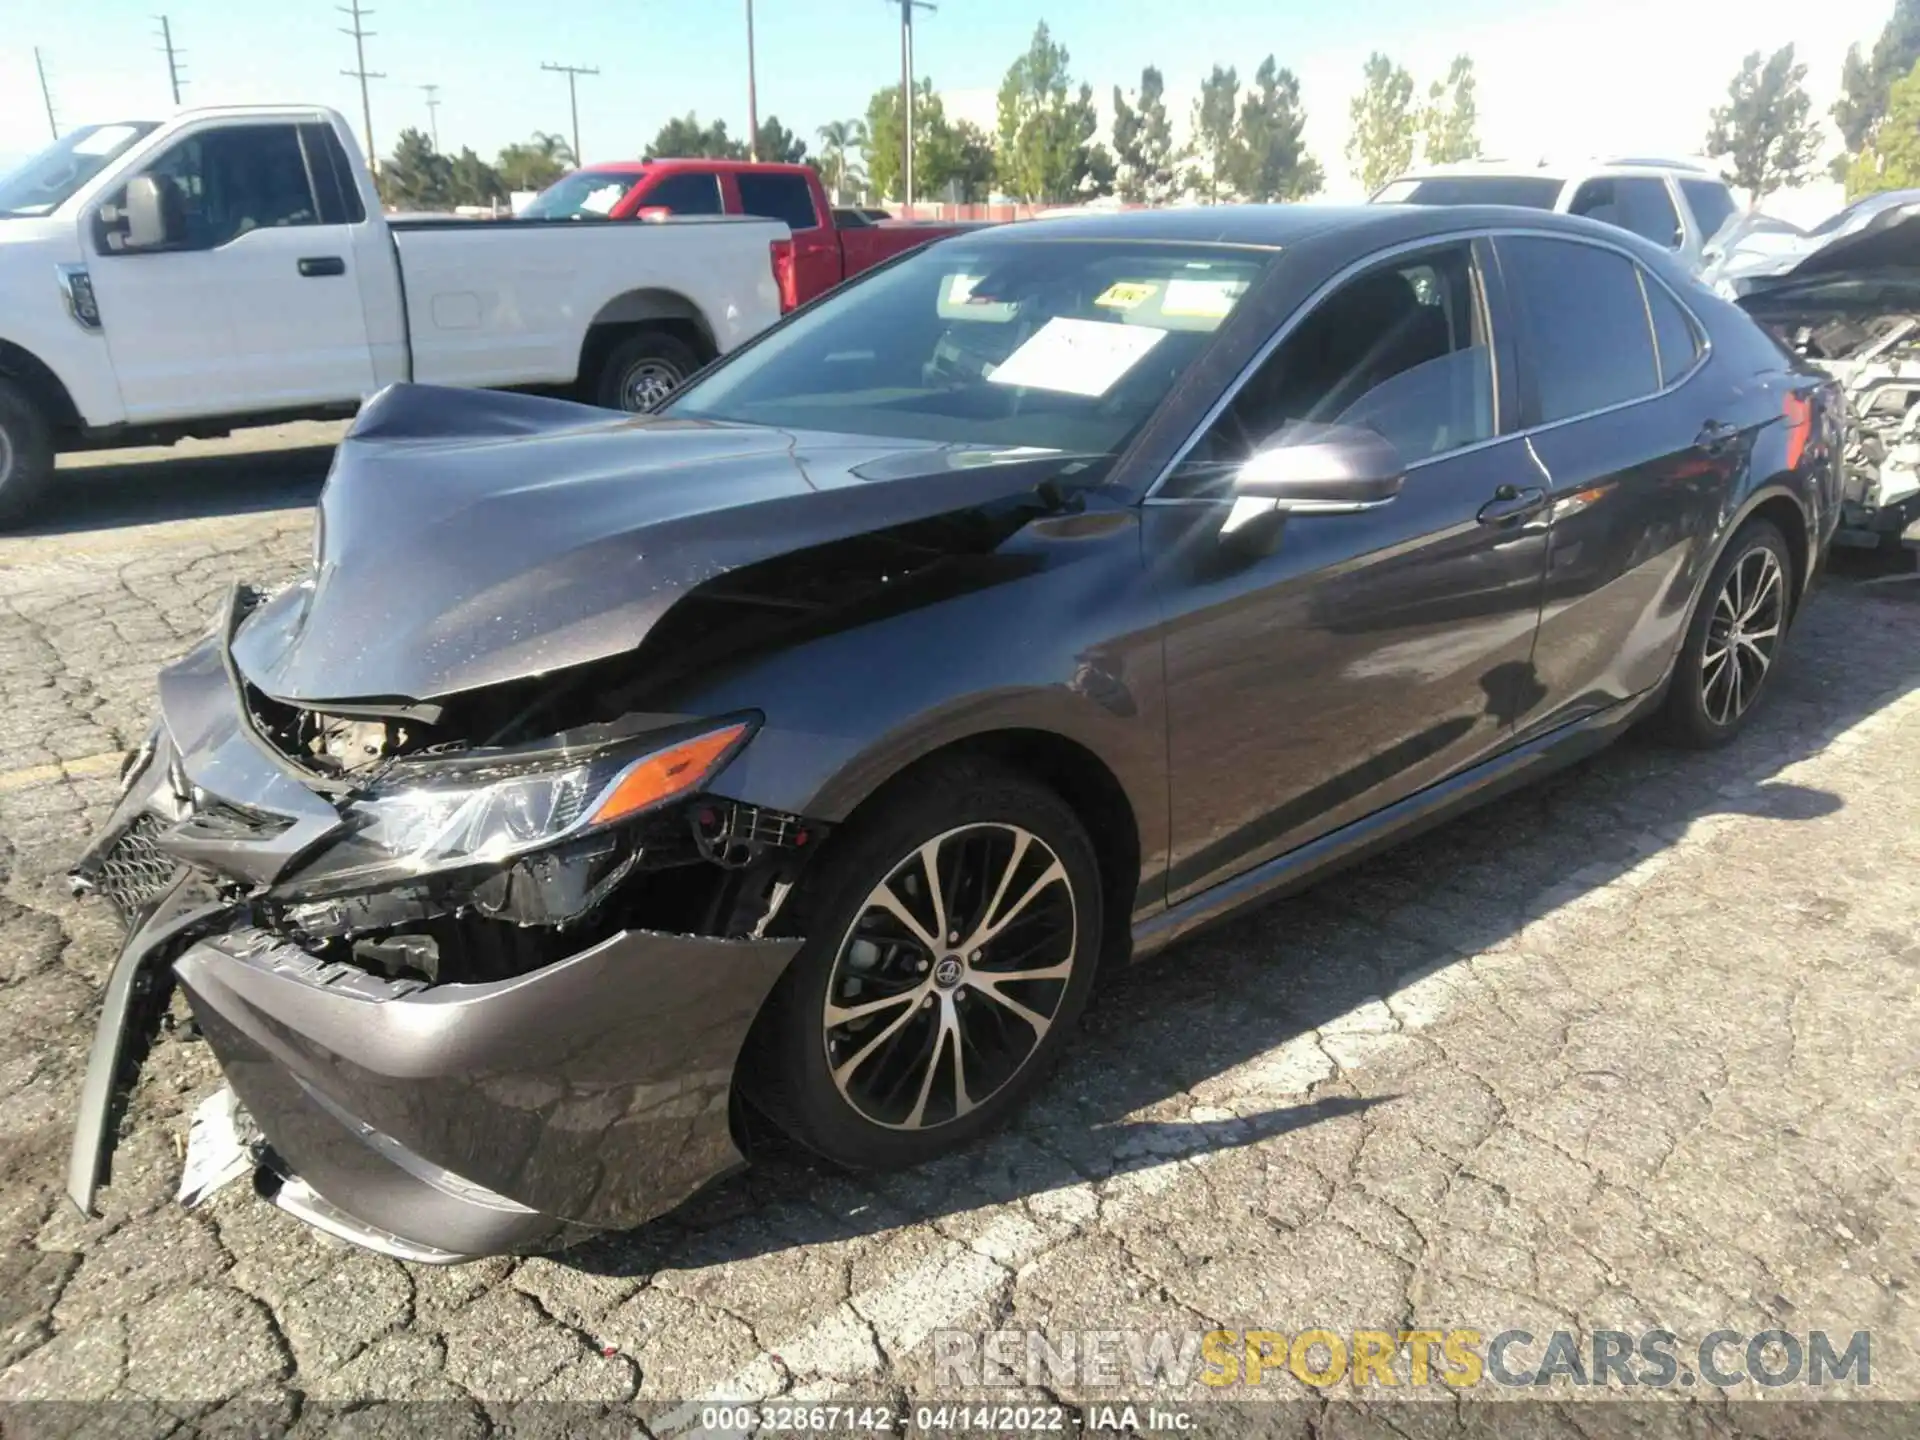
1845,296
1877,362
701,865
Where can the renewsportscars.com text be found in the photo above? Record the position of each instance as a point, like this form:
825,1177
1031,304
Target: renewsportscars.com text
1459,1358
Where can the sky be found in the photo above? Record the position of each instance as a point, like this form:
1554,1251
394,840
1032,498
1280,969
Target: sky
1556,77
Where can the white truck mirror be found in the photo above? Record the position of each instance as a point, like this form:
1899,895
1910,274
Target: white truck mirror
153,214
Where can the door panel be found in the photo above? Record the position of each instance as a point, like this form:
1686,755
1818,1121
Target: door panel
299,328
226,319
168,330
788,196
1358,657
1635,476
1632,495
1365,658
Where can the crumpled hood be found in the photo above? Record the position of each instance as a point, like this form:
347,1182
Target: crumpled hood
467,538
1756,251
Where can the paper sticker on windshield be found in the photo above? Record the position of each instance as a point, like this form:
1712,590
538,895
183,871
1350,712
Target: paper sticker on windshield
1078,357
1126,294
104,140
602,198
1202,299
958,302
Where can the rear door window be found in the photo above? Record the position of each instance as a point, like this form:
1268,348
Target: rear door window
1639,203
1711,203
1676,337
333,177
1589,341
778,197
686,192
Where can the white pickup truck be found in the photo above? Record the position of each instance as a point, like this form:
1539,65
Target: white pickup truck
231,267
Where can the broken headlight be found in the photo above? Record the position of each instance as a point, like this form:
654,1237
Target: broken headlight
445,818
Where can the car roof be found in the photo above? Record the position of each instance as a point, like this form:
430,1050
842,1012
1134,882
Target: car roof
1265,225
691,162
1278,226
1559,169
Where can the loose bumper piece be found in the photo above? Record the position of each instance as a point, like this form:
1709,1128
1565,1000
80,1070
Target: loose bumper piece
462,1120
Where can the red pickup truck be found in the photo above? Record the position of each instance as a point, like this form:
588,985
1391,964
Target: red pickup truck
823,252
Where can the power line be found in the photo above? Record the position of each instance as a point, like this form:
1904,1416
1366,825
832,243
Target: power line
360,72
573,72
173,56
45,93
433,112
907,7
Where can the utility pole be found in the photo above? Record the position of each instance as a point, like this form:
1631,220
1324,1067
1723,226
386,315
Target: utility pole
360,72
573,73
907,7
173,57
433,112
45,93
753,94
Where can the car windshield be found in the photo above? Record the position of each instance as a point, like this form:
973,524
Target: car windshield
1536,192
42,184
583,195
1055,344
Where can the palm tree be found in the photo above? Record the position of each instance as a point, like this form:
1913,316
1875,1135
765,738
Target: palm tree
554,149
535,164
837,138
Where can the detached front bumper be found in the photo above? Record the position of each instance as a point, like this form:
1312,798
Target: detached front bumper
444,1122
434,1122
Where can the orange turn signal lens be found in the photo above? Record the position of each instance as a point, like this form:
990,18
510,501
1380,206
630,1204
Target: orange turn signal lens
665,774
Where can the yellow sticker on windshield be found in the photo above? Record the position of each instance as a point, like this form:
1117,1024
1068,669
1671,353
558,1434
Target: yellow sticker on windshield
1127,294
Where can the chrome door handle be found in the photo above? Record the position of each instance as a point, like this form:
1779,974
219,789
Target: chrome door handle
1511,502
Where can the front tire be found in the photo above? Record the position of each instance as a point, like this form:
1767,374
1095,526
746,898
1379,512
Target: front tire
26,453
952,938
643,370
1734,642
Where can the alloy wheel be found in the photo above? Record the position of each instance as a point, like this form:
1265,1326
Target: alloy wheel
950,976
1743,635
646,384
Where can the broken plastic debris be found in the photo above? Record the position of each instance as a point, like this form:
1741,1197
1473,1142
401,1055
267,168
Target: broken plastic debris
215,1153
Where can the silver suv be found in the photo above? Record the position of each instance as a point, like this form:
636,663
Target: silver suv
1670,202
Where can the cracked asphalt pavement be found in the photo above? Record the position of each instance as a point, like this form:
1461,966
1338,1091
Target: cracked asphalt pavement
1634,1048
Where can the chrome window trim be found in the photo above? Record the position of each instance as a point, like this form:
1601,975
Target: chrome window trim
1429,242
1703,338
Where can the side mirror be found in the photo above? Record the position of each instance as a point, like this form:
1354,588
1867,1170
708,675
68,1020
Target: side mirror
153,215
1310,469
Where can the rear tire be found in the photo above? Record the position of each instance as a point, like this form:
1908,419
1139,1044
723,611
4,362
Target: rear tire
643,370
1734,642
26,453
936,1049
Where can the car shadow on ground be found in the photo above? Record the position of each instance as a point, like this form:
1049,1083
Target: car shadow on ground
1124,1097
121,489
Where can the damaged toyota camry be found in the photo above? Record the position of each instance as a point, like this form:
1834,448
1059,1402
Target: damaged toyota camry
796,756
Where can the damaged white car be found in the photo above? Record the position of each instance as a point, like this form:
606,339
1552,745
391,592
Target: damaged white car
1845,295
